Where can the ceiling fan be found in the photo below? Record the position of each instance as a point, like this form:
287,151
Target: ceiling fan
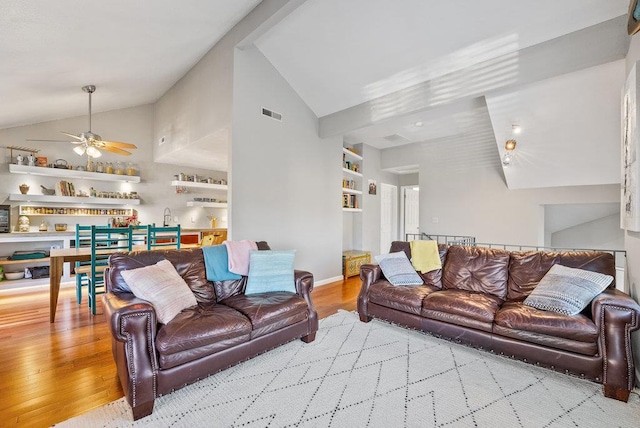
90,143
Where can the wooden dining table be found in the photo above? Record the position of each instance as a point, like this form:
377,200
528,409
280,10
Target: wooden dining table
59,256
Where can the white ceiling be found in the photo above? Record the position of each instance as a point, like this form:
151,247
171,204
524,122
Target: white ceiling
133,51
338,53
335,54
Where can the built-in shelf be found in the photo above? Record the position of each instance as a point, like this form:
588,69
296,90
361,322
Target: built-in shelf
207,204
352,191
73,211
72,200
348,171
6,262
352,154
352,210
71,173
210,186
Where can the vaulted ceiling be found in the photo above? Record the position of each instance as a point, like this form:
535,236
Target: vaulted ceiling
369,69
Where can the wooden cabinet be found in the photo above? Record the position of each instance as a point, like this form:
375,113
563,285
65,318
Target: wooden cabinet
352,260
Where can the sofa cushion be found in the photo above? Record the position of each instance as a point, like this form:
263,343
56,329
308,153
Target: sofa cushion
462,307
575,333
526,268
479,269
430,278
270,271
199,331
567,290
269,311
405,299
397,269
161,285
189,263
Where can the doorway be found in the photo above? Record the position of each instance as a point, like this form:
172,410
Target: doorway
410,211
388,216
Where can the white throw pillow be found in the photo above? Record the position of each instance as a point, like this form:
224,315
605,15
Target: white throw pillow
567,290
163,286
398,270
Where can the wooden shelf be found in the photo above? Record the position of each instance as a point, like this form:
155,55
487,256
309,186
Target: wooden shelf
207,204
72,199
71,173
348,171
210,186
5,262
350,153
352,191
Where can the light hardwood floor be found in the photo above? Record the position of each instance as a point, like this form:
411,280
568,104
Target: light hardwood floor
51,372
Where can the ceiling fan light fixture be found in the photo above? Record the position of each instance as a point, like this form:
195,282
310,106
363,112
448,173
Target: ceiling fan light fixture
79,150
93,152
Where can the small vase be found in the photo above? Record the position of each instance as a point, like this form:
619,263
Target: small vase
24,189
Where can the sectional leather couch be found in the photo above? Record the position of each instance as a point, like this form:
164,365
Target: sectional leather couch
477,299
225,328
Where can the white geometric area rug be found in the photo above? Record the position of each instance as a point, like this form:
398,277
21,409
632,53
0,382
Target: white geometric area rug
378,375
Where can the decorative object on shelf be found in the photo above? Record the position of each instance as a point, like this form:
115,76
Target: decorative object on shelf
510,146
31,160
108,168
24,188
90,143
131,169
60,227
44,226
61,163
23,223
46,191
99,167
213,221
14,275
41,161
132,220
19,159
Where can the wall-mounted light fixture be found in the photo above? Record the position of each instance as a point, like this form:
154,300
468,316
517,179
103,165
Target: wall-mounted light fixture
510,146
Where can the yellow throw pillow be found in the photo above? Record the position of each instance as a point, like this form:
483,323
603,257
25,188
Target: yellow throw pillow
425,256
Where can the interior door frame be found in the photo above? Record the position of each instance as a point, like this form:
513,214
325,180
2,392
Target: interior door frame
402,203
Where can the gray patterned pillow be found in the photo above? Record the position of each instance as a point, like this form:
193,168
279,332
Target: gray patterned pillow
567,290
398,270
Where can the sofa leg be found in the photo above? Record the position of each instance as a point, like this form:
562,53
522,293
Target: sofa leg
364,318
309,337
142,410
616,392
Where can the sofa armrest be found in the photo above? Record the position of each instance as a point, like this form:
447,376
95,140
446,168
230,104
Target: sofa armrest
133,325
369,273
616,315
304,287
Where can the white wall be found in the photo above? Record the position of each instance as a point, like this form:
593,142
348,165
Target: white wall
603,233
132,125
285,180
479,204
632,239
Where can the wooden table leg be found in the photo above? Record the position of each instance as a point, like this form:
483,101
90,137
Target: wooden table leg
55,274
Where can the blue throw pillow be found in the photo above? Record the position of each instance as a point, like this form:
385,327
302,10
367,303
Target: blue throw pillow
216,263
270,271
398,270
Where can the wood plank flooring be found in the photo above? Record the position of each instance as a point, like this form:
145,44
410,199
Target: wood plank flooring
51,372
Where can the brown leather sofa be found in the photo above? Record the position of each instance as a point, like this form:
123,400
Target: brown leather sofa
225,328
477,299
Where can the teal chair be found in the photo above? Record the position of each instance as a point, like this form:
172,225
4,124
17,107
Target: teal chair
82,270
163,236
104,242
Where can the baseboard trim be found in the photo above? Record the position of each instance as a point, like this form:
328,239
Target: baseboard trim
327,281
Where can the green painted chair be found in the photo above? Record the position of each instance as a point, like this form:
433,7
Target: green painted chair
163,236
82,270
104,242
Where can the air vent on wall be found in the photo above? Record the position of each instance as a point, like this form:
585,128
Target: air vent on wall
272,114
397,139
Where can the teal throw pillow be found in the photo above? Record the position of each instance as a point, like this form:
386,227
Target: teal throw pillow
270,271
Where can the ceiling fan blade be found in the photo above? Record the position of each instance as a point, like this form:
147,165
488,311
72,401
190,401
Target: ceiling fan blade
119,144
115,150
77,137
53,141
